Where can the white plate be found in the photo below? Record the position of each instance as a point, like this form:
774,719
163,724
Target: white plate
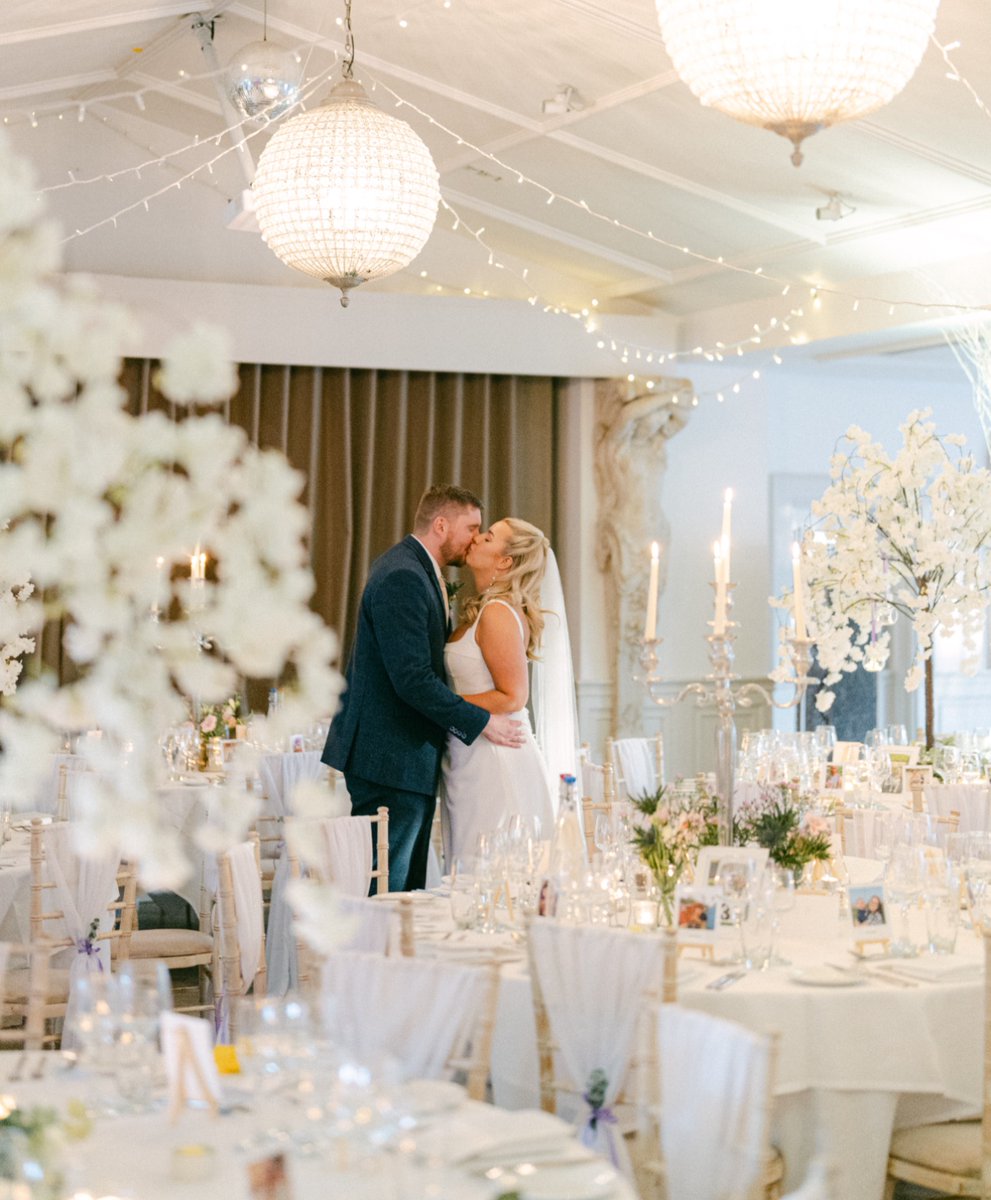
583,1181
825,977
422,1097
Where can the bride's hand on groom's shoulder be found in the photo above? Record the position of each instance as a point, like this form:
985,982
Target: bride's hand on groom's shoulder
505,730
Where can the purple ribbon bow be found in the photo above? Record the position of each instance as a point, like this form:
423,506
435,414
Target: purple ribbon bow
88,946
599,1115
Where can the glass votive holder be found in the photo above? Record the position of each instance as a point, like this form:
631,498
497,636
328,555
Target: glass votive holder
942,910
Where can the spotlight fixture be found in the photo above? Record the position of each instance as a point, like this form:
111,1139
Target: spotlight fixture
565,100
835,209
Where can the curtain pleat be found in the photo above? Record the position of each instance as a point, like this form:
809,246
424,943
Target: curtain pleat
368,443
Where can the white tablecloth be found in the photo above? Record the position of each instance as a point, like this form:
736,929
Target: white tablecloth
133,1155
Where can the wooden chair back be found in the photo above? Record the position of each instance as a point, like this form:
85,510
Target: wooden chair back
592,805
24,994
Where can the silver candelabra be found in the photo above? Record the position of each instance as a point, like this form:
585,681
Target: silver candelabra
719,690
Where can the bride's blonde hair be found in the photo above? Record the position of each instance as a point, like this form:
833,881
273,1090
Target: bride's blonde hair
520,585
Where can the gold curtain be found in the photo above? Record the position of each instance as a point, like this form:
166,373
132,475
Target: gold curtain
369,442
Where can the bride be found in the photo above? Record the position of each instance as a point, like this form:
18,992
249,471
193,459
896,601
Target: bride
487,659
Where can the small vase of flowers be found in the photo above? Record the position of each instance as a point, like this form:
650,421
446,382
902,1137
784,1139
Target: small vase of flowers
668,837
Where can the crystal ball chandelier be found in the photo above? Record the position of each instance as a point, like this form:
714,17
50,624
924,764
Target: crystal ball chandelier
347,192
796,66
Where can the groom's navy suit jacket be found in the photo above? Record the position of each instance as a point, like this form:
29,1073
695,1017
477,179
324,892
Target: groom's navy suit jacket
397,711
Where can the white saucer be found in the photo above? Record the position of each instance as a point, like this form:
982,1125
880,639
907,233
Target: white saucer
583,1181
825,977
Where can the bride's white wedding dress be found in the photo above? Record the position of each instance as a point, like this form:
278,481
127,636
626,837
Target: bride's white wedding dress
484,783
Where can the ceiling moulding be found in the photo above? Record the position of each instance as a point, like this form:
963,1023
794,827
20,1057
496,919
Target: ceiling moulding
305,326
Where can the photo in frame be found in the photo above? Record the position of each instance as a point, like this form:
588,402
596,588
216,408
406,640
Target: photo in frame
710,857
297,743
709,870
832,777
868,914
697,914
917,778
268,1178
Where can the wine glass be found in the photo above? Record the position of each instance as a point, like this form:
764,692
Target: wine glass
904,878
825,740
734,877
783,883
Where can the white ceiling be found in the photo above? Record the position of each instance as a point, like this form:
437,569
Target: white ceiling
643,153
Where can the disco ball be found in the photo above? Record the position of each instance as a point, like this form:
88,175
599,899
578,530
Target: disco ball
263,80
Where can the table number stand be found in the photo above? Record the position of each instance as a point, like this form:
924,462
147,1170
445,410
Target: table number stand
186,1060
719,689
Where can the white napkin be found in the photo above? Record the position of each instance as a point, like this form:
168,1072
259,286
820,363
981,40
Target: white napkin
933,969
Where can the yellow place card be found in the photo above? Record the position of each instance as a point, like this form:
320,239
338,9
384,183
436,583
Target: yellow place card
226,1059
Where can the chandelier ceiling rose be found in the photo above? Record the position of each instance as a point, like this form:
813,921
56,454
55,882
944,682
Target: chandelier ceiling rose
796,66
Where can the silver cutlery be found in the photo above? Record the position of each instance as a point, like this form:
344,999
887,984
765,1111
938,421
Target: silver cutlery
41,1066
725,981
18,1071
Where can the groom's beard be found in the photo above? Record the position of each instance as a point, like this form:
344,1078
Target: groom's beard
452,558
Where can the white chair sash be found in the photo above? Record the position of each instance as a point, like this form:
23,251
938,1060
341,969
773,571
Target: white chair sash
376,925
416,1011
84,887
714,1085
281,963
279,774
248,908
345,853
592,982
971,801
636,766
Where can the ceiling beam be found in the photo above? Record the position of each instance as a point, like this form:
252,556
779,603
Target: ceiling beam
680,183
533,129
927,153
642,268
107,21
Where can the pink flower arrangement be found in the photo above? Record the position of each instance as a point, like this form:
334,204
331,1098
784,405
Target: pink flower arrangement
209,723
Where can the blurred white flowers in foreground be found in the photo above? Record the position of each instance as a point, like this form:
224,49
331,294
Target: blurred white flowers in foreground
104,511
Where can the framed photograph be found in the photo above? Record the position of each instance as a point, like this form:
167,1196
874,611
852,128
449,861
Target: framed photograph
832,777
297,743
712,857
697,914
868,913
916,778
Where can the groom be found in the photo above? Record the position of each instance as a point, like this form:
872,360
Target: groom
397,710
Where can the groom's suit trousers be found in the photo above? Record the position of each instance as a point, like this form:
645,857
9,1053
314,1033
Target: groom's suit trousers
411,815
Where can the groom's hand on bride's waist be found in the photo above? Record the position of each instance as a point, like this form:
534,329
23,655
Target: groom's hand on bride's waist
505,730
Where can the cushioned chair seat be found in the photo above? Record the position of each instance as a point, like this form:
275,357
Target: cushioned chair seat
953,1147
16,983
170,943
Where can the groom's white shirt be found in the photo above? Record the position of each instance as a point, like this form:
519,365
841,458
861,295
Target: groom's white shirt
443,584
